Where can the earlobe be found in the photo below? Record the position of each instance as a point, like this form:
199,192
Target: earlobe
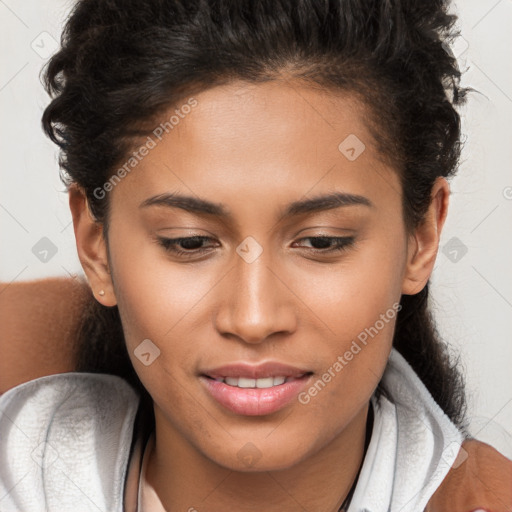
91,247
424,242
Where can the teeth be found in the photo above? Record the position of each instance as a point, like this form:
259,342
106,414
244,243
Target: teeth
265,383
242,382
246,383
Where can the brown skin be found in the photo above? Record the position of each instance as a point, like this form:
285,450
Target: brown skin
279,313
39,322
484,480
293,304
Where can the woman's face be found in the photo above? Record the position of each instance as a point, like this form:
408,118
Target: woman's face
261,290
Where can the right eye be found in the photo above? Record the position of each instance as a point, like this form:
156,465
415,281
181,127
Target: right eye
185,246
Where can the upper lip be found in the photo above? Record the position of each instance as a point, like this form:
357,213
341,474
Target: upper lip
251,371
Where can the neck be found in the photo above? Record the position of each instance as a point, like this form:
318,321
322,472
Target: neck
185,479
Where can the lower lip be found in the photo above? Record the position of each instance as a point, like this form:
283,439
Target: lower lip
254,401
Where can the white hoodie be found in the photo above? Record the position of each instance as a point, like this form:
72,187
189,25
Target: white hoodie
65,443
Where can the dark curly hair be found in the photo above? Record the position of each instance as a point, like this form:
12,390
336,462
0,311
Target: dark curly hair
123,62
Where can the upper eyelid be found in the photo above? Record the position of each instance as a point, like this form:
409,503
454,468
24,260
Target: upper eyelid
281,229
348,238
188,237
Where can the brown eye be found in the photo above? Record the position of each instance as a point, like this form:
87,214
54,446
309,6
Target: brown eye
326,244
187,246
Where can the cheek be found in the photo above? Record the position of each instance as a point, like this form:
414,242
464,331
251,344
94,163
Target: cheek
154,295
351,295
359,302
161,301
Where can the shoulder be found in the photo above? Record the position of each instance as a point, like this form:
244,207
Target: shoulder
39,322
65,441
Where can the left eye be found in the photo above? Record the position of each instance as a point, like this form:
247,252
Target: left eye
330,243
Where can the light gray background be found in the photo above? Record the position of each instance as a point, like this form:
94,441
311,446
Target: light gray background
472,290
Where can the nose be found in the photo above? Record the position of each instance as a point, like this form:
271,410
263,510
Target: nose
256,301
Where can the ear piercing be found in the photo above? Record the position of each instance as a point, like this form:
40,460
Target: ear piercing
101,292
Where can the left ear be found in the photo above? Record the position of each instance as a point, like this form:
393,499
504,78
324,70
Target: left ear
424,242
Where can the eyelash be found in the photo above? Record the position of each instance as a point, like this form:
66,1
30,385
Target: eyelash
171,244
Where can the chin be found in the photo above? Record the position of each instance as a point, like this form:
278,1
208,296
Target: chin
253,459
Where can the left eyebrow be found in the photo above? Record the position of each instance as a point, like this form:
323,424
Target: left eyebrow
324,202
202,206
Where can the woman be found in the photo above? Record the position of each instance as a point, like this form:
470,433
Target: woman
258,191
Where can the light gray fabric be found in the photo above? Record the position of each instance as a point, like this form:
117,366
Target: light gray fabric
65,441
412,448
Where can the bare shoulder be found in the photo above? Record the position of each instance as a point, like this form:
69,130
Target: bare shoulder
39,322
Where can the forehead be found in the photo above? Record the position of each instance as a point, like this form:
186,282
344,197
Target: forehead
276,139
281,115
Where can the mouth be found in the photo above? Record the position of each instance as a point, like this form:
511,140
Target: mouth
254,396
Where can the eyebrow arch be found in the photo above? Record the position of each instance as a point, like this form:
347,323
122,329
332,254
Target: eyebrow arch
202,206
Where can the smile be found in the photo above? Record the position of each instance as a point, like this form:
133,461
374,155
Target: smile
254,397
243,382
